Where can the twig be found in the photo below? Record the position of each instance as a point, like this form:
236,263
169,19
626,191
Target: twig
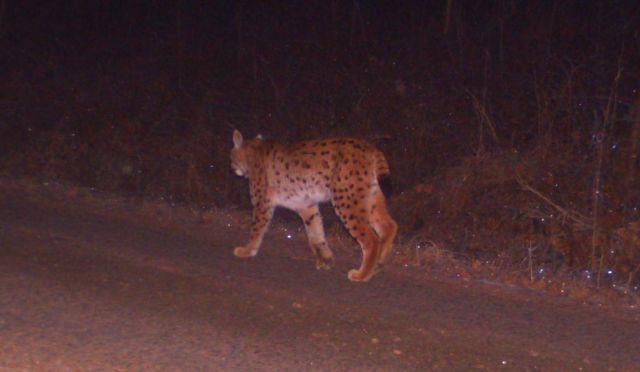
577,217
530,249
632,274
608,120
596,204
483,118
447,18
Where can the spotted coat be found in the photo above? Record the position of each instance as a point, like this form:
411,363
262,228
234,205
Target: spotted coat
344,171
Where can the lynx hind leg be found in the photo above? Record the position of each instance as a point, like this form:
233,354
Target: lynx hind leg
355,216
315,233
259,223
384,225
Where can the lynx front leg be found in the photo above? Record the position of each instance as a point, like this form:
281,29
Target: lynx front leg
315,234
262,214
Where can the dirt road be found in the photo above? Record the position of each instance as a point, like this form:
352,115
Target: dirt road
84,287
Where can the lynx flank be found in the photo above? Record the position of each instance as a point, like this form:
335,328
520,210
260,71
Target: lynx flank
344,171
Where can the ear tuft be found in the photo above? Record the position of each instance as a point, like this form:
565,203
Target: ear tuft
237,138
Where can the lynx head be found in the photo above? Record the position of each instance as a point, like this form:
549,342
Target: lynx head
242,152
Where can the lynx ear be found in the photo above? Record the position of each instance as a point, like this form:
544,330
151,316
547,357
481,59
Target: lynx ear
237,138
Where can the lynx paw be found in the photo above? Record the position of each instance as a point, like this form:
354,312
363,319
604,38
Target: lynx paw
356,276
244,252
324,263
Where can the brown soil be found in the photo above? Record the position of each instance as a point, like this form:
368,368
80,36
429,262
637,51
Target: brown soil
99,283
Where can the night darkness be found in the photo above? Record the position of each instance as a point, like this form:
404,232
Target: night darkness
514,117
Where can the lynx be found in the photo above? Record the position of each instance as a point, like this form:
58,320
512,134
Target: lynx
347,172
